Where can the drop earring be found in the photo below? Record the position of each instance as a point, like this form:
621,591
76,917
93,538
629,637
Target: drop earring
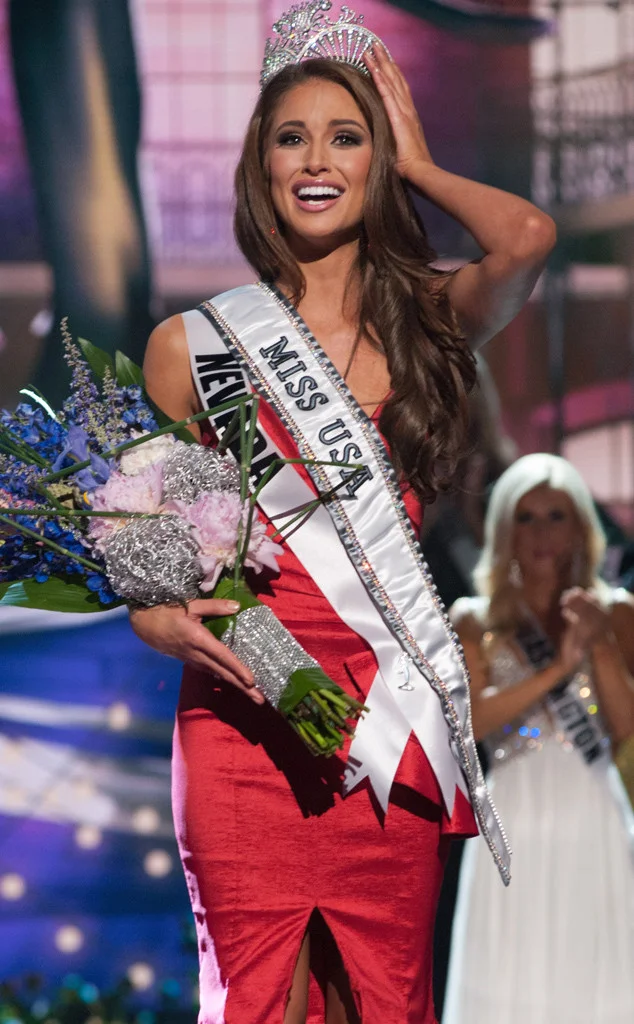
515,574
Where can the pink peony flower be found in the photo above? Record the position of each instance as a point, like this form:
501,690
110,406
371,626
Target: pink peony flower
121,493
262,550
215,517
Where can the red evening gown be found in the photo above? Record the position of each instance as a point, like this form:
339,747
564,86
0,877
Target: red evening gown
266,837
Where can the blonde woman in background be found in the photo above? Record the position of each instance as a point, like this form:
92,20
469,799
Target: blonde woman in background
550,648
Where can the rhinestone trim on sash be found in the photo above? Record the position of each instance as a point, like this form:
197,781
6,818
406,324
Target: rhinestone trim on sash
469,764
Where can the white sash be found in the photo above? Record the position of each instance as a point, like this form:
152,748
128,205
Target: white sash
585,731
383,590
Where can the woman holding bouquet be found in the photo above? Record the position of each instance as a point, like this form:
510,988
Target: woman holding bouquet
314,882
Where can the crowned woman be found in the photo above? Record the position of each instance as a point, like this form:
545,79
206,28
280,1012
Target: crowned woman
550,649
314,882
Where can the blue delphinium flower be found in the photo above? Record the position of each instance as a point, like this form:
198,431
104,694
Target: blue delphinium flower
23,557
100,584
20,558
93,420
35,427
23,423
98,472
17,479
135,412
76,449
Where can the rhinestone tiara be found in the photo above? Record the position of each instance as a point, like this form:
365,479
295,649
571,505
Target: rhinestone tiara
305,31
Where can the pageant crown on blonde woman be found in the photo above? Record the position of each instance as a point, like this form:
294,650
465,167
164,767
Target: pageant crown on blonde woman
305,32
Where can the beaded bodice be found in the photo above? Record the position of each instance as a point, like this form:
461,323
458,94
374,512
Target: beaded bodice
527,734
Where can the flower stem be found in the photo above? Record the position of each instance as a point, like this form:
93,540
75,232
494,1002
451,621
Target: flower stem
244,476
329,712
310,506
10,444
51,544
169,429
246,462
74,513
275,465
229,434
45,493
244,490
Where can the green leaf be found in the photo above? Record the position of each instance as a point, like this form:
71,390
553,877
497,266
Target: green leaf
127,372
56,594
301,682
227,590
97,359
164,420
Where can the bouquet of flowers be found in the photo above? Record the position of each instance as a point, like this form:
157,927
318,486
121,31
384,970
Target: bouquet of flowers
108,501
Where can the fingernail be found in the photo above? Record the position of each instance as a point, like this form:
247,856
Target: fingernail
233,606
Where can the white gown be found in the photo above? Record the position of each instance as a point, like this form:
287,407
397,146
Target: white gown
557,946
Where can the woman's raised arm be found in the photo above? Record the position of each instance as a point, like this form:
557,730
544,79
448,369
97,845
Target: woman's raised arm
491,707
515,236
611,642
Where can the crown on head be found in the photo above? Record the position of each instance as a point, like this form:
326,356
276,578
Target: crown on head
305,31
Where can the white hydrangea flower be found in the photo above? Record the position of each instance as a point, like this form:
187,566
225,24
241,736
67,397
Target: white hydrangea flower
134,460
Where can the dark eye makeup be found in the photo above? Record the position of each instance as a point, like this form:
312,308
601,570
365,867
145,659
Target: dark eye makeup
289,139
340,139
348,139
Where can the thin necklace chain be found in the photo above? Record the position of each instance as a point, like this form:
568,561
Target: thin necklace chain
349,364
351,358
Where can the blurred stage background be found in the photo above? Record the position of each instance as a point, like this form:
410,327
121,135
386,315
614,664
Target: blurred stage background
120,125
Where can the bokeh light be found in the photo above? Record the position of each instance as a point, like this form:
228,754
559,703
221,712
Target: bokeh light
146,820
88,837
88,992
12,886
69,938
158,863
141,976
119,716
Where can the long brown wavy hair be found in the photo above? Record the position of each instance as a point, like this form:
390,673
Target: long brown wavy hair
402,305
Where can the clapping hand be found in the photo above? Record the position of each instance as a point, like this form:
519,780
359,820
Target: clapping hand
583,610
587,623
572,650
411,146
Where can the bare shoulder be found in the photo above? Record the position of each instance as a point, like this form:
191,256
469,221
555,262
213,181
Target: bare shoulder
467,616
622,610
167,370
622,622
168,341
